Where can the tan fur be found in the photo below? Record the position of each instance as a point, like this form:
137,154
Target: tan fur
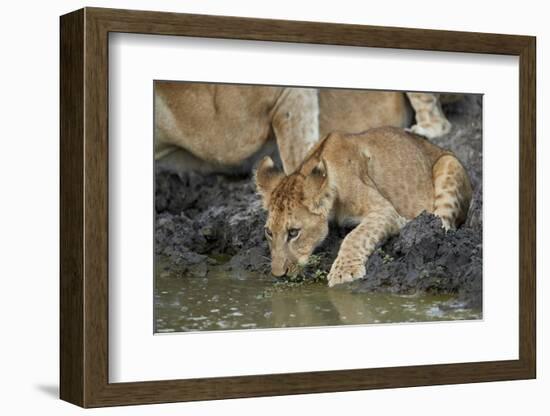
430,120
227,127
378,180
354,111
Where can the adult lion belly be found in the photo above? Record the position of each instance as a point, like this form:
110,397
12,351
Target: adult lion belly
355,111
221,124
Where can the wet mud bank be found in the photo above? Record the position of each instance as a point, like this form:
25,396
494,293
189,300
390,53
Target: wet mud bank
207,222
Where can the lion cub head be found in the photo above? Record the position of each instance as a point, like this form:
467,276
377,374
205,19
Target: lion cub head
298,208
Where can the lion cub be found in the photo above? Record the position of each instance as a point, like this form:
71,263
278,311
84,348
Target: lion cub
376,180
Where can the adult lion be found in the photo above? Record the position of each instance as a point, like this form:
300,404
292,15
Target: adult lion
228,128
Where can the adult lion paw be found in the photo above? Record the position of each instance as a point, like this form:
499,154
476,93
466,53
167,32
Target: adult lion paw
432,129
342,272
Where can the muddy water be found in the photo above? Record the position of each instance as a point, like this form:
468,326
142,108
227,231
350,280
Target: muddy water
222,301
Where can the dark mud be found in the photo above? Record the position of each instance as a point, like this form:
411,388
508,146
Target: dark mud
203,222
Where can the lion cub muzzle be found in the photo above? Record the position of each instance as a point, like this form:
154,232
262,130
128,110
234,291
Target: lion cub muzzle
279,267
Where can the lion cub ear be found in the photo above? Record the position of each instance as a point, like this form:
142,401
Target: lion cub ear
267,179
317,190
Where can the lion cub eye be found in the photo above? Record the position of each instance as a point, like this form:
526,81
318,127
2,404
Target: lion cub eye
293,233
268,232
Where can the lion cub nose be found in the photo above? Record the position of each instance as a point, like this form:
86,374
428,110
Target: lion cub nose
278,271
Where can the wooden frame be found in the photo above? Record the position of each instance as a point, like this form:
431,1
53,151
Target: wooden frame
84,207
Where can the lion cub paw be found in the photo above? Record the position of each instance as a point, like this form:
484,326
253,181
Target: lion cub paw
345,271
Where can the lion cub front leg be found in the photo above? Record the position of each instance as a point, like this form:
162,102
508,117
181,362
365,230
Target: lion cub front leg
358,245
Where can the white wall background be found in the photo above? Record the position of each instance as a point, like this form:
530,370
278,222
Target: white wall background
29,207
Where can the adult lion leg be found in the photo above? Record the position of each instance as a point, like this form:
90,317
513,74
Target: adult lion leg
381,221
452,191
296,125
430,120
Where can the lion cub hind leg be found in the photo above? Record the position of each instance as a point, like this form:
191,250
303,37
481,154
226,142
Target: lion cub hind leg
452,191
380,222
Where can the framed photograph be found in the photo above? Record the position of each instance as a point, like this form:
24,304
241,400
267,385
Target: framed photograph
256,207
